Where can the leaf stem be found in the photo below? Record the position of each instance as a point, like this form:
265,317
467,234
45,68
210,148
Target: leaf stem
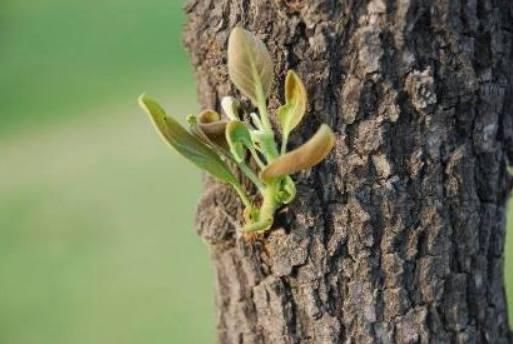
262,109
267,141
266,213
255,156
248,172
284,142
262,100
269,203
242,195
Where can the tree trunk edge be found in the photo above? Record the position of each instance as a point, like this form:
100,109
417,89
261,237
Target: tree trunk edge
399,236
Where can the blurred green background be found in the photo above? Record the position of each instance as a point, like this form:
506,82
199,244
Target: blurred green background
96,215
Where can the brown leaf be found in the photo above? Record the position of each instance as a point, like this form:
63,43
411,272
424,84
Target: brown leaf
303,157
250,65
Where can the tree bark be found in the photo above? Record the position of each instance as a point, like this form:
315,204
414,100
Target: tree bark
398,237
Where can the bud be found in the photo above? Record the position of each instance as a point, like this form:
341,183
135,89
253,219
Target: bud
231,108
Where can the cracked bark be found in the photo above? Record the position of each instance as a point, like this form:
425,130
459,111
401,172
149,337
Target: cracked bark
398,237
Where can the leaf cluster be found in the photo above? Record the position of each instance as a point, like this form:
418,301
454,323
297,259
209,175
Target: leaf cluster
212,141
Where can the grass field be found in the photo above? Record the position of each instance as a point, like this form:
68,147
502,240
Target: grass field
96,215
96,245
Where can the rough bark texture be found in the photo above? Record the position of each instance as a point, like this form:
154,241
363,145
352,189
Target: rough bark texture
398,237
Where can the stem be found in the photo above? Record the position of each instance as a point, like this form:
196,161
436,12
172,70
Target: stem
262,109
269,201
259,161
248,172
266,212
242,195
284,144
262,106
268,146
260,226
268,143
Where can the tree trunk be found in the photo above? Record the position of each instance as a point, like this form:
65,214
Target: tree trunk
398,237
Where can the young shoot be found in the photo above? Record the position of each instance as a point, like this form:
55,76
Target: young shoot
214,143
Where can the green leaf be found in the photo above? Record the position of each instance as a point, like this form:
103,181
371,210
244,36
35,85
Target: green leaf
291,114
196,131
186,144
287,190
221,148
304,157
239,139
250,65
